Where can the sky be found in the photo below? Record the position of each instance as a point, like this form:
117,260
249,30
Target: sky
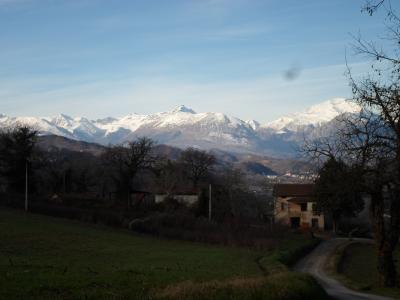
253,59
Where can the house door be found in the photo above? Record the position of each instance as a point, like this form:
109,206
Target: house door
314,223
295,222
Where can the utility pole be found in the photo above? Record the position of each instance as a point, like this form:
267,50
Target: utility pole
26,185
64,180
209,203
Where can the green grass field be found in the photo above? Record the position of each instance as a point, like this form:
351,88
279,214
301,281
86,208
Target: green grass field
358,269
48,258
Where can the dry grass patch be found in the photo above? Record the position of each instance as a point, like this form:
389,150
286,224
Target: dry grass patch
286,285
185,289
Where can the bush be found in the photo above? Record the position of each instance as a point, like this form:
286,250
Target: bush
186,226
355,228
290,257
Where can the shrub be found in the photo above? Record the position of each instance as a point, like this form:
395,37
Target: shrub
186,226
291,256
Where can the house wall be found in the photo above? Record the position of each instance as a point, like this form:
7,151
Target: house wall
285,210
184,199
142,198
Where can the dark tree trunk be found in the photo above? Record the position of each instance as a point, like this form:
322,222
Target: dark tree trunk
386,265
334,225
335,222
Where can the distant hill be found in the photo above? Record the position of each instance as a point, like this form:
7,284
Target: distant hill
248,163
257,168
48,142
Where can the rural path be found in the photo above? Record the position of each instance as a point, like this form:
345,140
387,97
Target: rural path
314,264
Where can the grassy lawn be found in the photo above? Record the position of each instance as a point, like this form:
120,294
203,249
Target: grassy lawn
358,269
48,258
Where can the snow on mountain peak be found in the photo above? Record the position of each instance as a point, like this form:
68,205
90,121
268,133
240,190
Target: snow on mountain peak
183,127
253,124
184,109
333,108
315,115
61,120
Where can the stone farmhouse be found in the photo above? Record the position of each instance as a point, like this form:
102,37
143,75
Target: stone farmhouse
294,206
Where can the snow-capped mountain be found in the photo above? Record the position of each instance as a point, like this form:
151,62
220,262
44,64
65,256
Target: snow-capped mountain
183,127
316,115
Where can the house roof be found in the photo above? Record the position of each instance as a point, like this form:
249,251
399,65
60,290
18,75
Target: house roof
294,190
300,199
139,192
179,194
189,191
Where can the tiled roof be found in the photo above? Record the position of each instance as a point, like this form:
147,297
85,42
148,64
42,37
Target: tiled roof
294,190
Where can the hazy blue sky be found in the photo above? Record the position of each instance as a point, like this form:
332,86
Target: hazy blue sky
98,57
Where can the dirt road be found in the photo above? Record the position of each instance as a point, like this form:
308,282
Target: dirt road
314,264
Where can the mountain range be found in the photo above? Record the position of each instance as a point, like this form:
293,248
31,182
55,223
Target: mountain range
183,127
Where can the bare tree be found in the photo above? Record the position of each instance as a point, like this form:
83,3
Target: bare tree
125,161
338,190
379,96
371,6
169,176
232,180
54,172
365,143
370,140
197,164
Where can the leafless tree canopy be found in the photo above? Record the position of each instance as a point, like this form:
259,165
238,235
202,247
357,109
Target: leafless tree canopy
197,163
125,161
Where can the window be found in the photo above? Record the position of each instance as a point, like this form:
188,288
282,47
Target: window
314,209
303,206
295,222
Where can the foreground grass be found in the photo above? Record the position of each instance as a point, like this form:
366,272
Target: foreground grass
357,268
47,258
283,285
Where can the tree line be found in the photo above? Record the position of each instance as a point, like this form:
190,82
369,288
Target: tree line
111,178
